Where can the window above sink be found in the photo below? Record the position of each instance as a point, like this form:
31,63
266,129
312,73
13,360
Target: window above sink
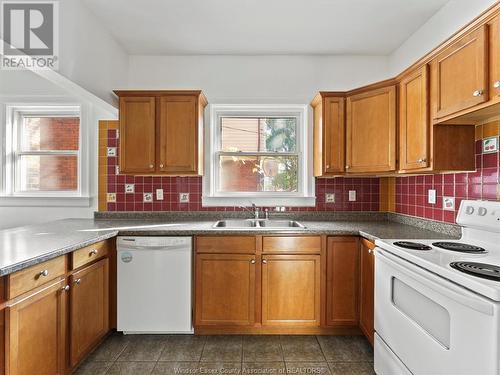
259,154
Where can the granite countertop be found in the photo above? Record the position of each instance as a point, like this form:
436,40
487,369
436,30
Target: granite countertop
28,245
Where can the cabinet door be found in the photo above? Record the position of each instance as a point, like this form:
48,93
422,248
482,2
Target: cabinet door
137,135
89,311
494,53
291,290
178,129
367,289
459,75
330,136
371,131
342,275
35,333
414,142
225,289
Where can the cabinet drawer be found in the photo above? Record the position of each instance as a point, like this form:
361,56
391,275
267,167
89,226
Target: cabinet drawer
226,244
297,244
88,254
23,281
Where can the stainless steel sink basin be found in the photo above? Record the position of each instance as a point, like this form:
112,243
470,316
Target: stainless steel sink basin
235,224
280,224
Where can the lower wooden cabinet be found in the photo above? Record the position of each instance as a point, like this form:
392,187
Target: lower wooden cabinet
36,332
291,290
342,285
366,316
89,309
225,289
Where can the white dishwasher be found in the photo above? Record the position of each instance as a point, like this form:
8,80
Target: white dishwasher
154,284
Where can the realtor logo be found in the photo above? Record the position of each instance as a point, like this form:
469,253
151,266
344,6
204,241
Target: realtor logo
30,35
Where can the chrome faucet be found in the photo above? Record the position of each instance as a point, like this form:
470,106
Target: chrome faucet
255,211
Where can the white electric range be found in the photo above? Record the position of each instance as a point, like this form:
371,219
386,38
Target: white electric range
437,303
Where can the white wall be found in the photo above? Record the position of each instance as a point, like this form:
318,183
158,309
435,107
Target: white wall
253,79
443,24
89,55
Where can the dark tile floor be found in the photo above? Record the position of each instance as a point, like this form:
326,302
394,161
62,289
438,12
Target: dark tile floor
230,355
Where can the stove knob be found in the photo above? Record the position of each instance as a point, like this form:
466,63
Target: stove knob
482,211
469,210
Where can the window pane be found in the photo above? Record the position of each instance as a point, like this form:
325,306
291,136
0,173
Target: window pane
48,172
250,134
50,133
258,173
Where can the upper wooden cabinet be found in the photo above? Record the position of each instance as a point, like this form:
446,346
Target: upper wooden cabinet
424,147
494,58
371,131
414,129
161,132
460,74
329,134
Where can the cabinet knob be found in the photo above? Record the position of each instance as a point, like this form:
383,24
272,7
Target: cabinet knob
65,288
93,252
161,165
264,261
78,281
477,93
370,251
252,261
327,166
44,273
496,84
347,167
423,160
151,166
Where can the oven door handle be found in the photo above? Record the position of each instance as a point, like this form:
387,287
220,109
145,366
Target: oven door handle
436,283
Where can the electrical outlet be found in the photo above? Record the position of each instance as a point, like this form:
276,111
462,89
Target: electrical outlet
330,197
129,188
159,194
431,197
183,197
449,203
352,195
147,197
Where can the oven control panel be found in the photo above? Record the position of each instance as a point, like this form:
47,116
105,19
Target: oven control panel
480,214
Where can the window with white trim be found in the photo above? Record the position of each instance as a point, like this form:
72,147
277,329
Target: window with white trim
43,152
258,154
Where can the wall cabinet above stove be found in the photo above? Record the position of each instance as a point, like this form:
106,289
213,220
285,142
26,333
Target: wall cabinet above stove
161,132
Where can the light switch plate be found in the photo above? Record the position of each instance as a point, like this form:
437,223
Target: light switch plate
449,203
431,197
183,197
352,195
330,197
159,194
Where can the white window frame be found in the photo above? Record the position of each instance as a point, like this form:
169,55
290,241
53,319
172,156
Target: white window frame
11,142
304,197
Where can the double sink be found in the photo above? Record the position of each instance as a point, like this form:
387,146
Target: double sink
235,224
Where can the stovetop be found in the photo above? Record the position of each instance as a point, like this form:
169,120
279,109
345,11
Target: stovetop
472,262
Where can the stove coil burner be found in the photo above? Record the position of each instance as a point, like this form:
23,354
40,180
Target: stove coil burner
460,247
483,270
412,245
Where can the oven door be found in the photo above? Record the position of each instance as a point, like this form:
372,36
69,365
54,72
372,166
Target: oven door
432,325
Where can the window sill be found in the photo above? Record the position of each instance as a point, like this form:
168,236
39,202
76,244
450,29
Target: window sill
258,201
40,201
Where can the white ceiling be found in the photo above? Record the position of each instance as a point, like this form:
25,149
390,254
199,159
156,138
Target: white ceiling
249,27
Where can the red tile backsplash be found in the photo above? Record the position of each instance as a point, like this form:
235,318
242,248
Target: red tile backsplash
367,191
411,192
